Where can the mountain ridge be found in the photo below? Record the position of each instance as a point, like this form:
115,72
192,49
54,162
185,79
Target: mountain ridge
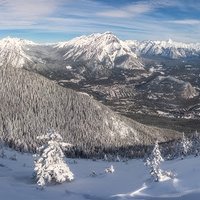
95,51
168,49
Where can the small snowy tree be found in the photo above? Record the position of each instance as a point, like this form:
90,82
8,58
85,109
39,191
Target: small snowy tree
185,146
118,159
2,152
196,143
110,169
105,157
50,166
154,161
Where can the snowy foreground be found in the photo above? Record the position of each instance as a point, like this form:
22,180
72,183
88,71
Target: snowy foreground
130,180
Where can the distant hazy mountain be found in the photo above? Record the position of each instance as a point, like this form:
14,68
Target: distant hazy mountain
168,49
31,104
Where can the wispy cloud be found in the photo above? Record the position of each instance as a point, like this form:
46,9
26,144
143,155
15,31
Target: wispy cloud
127,11
26,10
141,19
186,22
30,9
134,9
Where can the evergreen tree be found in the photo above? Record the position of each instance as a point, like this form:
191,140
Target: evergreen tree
196,143
50,166
154,161
185,146
2,152
105,157
118,159
110,169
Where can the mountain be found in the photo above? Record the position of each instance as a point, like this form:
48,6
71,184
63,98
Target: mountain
168,49
13,51
32,104
86,57
98,54
169,87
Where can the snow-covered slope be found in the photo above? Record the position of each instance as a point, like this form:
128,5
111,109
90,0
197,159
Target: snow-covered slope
168,49
31,104
99,53
13,52
131,180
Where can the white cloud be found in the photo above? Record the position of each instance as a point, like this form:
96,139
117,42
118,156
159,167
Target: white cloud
186,22
27,10
138,8
127,11
134,21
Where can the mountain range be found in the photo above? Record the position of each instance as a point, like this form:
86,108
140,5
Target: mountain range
96,52
168,49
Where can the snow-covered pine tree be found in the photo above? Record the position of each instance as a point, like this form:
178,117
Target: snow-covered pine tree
118,158
185,146
2,152
110,169
105,157
50,166
154,161
196,143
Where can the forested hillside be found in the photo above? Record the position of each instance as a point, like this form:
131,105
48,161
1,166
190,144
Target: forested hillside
32,104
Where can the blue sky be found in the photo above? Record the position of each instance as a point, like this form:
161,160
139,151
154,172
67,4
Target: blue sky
59,20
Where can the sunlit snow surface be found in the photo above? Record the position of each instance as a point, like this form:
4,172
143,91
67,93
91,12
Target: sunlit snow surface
129,181
12,52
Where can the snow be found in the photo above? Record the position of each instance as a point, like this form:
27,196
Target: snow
130,180
68,67
153,162
167,48
49,161
12,51
123,129
101,47
166,114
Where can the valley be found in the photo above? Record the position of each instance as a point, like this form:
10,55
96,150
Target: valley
145,84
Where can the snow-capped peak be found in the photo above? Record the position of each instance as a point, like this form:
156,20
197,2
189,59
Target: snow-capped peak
16,41
100,48
12,51
170,41
82,40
